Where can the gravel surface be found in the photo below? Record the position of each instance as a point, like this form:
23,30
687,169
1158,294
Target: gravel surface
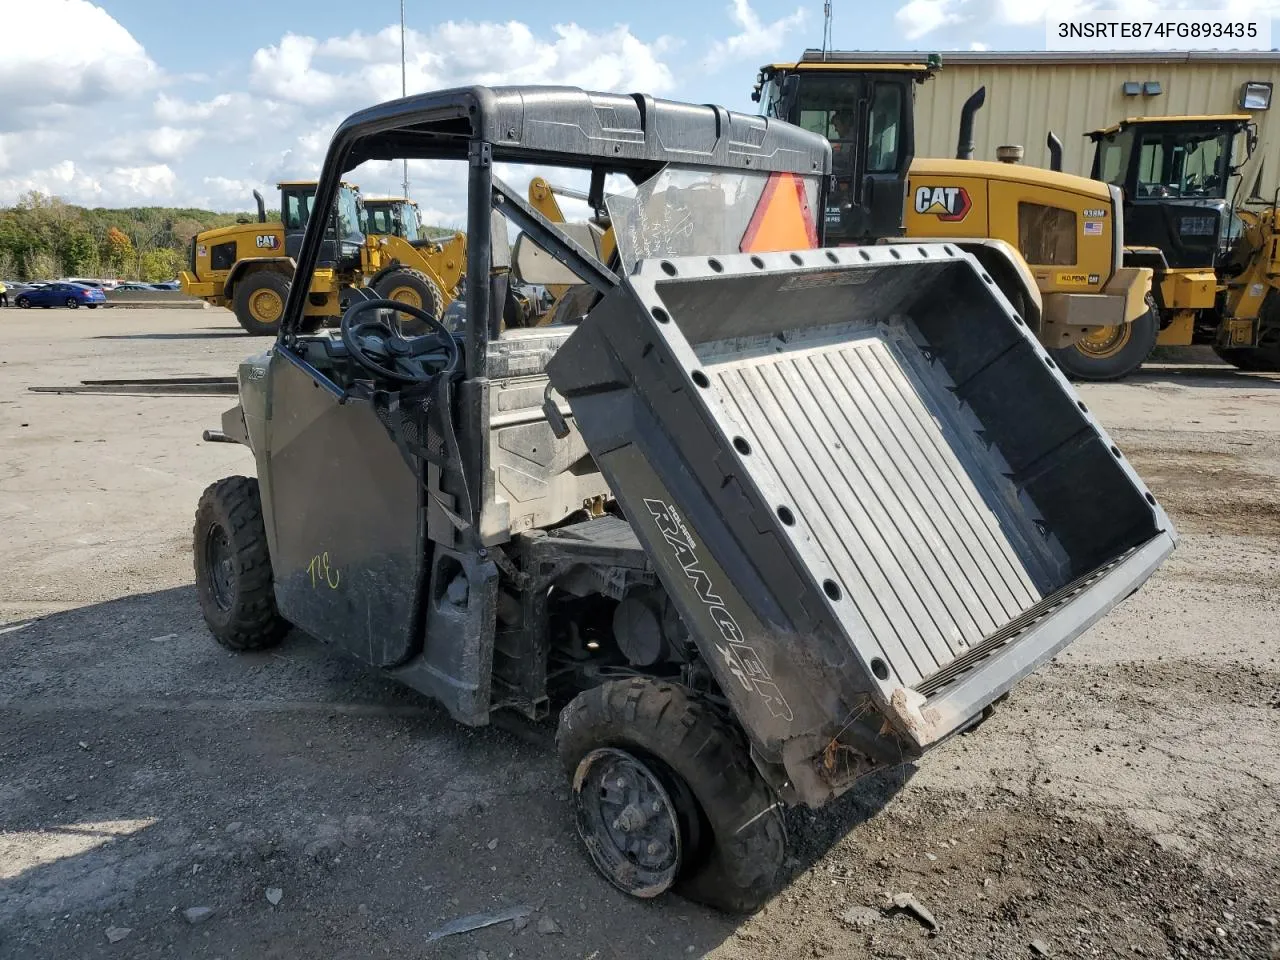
162,797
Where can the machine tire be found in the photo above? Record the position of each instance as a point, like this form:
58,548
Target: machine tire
259,302
1251,359
1119,359
23,303
1264,358
735,839
415,288
238,600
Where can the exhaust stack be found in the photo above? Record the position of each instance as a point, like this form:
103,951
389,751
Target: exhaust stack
1055,151
964,142
262,207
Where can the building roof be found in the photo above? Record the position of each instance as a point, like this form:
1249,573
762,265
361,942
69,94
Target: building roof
1049,57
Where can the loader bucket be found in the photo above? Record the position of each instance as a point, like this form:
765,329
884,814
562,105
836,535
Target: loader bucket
875,501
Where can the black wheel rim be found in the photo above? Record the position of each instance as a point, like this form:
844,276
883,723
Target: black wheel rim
219,563
628,822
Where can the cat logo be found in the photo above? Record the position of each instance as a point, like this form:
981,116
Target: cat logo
946,203
268,241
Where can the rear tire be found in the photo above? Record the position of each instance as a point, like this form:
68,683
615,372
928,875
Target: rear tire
732,839
1127,347
72,303
1251,359
259,302
24,303
415,288
233,567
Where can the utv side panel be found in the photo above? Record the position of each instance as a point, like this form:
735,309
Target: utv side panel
865,485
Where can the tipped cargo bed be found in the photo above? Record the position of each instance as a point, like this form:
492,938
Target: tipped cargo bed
864,484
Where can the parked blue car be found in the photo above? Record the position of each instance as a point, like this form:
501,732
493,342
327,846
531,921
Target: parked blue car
61,295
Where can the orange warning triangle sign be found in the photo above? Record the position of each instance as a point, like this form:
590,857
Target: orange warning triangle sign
783,219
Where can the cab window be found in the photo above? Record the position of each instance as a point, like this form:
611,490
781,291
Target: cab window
297,211
1182,165
882,133
1114,154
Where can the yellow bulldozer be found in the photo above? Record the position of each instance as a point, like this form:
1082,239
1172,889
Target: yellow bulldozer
1062,233
1216,260
247,267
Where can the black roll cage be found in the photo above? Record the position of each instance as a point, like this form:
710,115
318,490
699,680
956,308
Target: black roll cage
633,135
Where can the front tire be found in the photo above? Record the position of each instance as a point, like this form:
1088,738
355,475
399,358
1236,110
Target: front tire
1112,353
233,567
259,302
415,288
24,303
731,840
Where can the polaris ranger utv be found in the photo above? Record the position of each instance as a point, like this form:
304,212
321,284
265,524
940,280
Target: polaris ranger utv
763,517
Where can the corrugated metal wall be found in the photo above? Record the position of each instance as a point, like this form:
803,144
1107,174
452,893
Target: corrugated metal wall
1026,101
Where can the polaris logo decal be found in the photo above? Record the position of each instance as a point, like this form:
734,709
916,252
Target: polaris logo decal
946,203
739,658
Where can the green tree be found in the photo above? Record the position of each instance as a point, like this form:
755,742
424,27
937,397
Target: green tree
79,253
161,264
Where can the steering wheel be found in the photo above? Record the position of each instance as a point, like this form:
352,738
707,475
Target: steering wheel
381,349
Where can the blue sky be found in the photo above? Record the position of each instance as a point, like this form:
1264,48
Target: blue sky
131,102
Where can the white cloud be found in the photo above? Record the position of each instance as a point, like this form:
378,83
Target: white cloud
754,39
285,72
154,183
919,17
66,52
176,110
171,143
359,68
273,112
975,45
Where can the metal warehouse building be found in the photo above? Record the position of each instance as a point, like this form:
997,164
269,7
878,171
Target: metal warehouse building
1032,93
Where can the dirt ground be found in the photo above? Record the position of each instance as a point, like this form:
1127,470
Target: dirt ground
1123,802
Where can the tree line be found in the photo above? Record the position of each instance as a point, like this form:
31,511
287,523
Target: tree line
42,238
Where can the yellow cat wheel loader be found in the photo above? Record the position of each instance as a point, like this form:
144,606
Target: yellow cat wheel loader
248,267
1063,233
433,265
763,519
1216,259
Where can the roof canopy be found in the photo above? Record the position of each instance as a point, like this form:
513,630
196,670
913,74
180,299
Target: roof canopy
567,126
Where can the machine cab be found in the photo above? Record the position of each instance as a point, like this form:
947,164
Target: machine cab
393,216
866,111
1176,174
344,235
